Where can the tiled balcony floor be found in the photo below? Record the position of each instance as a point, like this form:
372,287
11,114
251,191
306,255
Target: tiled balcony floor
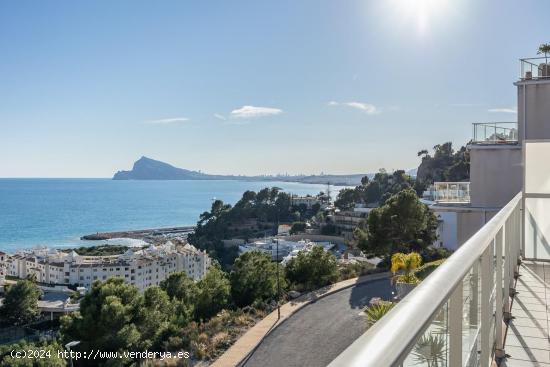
527,340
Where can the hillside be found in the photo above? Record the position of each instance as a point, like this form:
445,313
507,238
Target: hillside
150,169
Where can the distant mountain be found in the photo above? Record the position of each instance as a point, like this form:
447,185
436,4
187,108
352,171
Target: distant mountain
150,169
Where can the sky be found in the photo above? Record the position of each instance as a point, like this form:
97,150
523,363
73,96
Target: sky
253,87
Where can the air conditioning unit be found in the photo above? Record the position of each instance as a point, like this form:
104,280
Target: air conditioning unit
544,70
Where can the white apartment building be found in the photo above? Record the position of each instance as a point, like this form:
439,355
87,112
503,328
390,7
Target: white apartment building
308,201
142,268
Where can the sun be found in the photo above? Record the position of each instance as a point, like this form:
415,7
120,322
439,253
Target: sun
420,12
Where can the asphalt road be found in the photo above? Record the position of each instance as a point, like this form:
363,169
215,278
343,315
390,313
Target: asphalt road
316,334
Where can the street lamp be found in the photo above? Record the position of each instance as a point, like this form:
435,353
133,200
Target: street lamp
74,343
278,285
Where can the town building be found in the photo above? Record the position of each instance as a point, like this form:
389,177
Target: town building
143,268
347,220
309,201
280,249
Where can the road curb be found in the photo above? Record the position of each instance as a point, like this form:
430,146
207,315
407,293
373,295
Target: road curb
305,300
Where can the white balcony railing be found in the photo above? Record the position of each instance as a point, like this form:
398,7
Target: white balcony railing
452,192
455,316
495,133
534,68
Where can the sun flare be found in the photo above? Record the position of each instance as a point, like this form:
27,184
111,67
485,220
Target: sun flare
420,12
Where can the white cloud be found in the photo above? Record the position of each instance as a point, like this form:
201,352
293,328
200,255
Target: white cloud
367,108
503,110
220,117
250,112
173,120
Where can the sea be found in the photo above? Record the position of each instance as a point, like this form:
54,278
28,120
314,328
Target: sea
57,212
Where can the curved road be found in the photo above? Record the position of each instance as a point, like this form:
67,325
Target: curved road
317,333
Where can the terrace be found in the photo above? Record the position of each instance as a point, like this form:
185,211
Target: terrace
534,68
487,305
451,192
489,133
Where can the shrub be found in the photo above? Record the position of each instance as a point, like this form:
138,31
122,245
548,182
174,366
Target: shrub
313,269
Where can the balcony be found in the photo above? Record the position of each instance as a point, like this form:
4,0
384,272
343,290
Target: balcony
534,68
487,304
451,192
490,133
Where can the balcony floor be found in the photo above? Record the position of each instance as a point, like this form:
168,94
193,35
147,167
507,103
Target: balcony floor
527,340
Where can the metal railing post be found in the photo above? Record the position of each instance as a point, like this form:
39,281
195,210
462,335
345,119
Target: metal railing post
474,294
499,243
455,326
517,240
486,290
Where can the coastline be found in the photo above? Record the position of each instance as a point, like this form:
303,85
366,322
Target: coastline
57,213
150,235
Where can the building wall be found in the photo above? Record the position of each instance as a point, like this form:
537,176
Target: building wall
495,174
468,223
537,102
447,230
140,271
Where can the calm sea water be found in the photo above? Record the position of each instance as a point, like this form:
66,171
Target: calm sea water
56,212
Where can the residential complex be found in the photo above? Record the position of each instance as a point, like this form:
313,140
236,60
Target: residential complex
308,201
142,268
281,249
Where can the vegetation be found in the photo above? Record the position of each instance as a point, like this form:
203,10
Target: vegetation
20,304
402,224
213,295
430,350
544,49
255,214
374,192
427,268
114,316
376,311
298,227
355,270
99,250
444,165
254,279
408,264
311,270
49,350
181,288
208,340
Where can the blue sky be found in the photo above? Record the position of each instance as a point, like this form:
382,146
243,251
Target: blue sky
253,87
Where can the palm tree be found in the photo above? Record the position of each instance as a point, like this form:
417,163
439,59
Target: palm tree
544,49
377,311
430,350
409,263
32,277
